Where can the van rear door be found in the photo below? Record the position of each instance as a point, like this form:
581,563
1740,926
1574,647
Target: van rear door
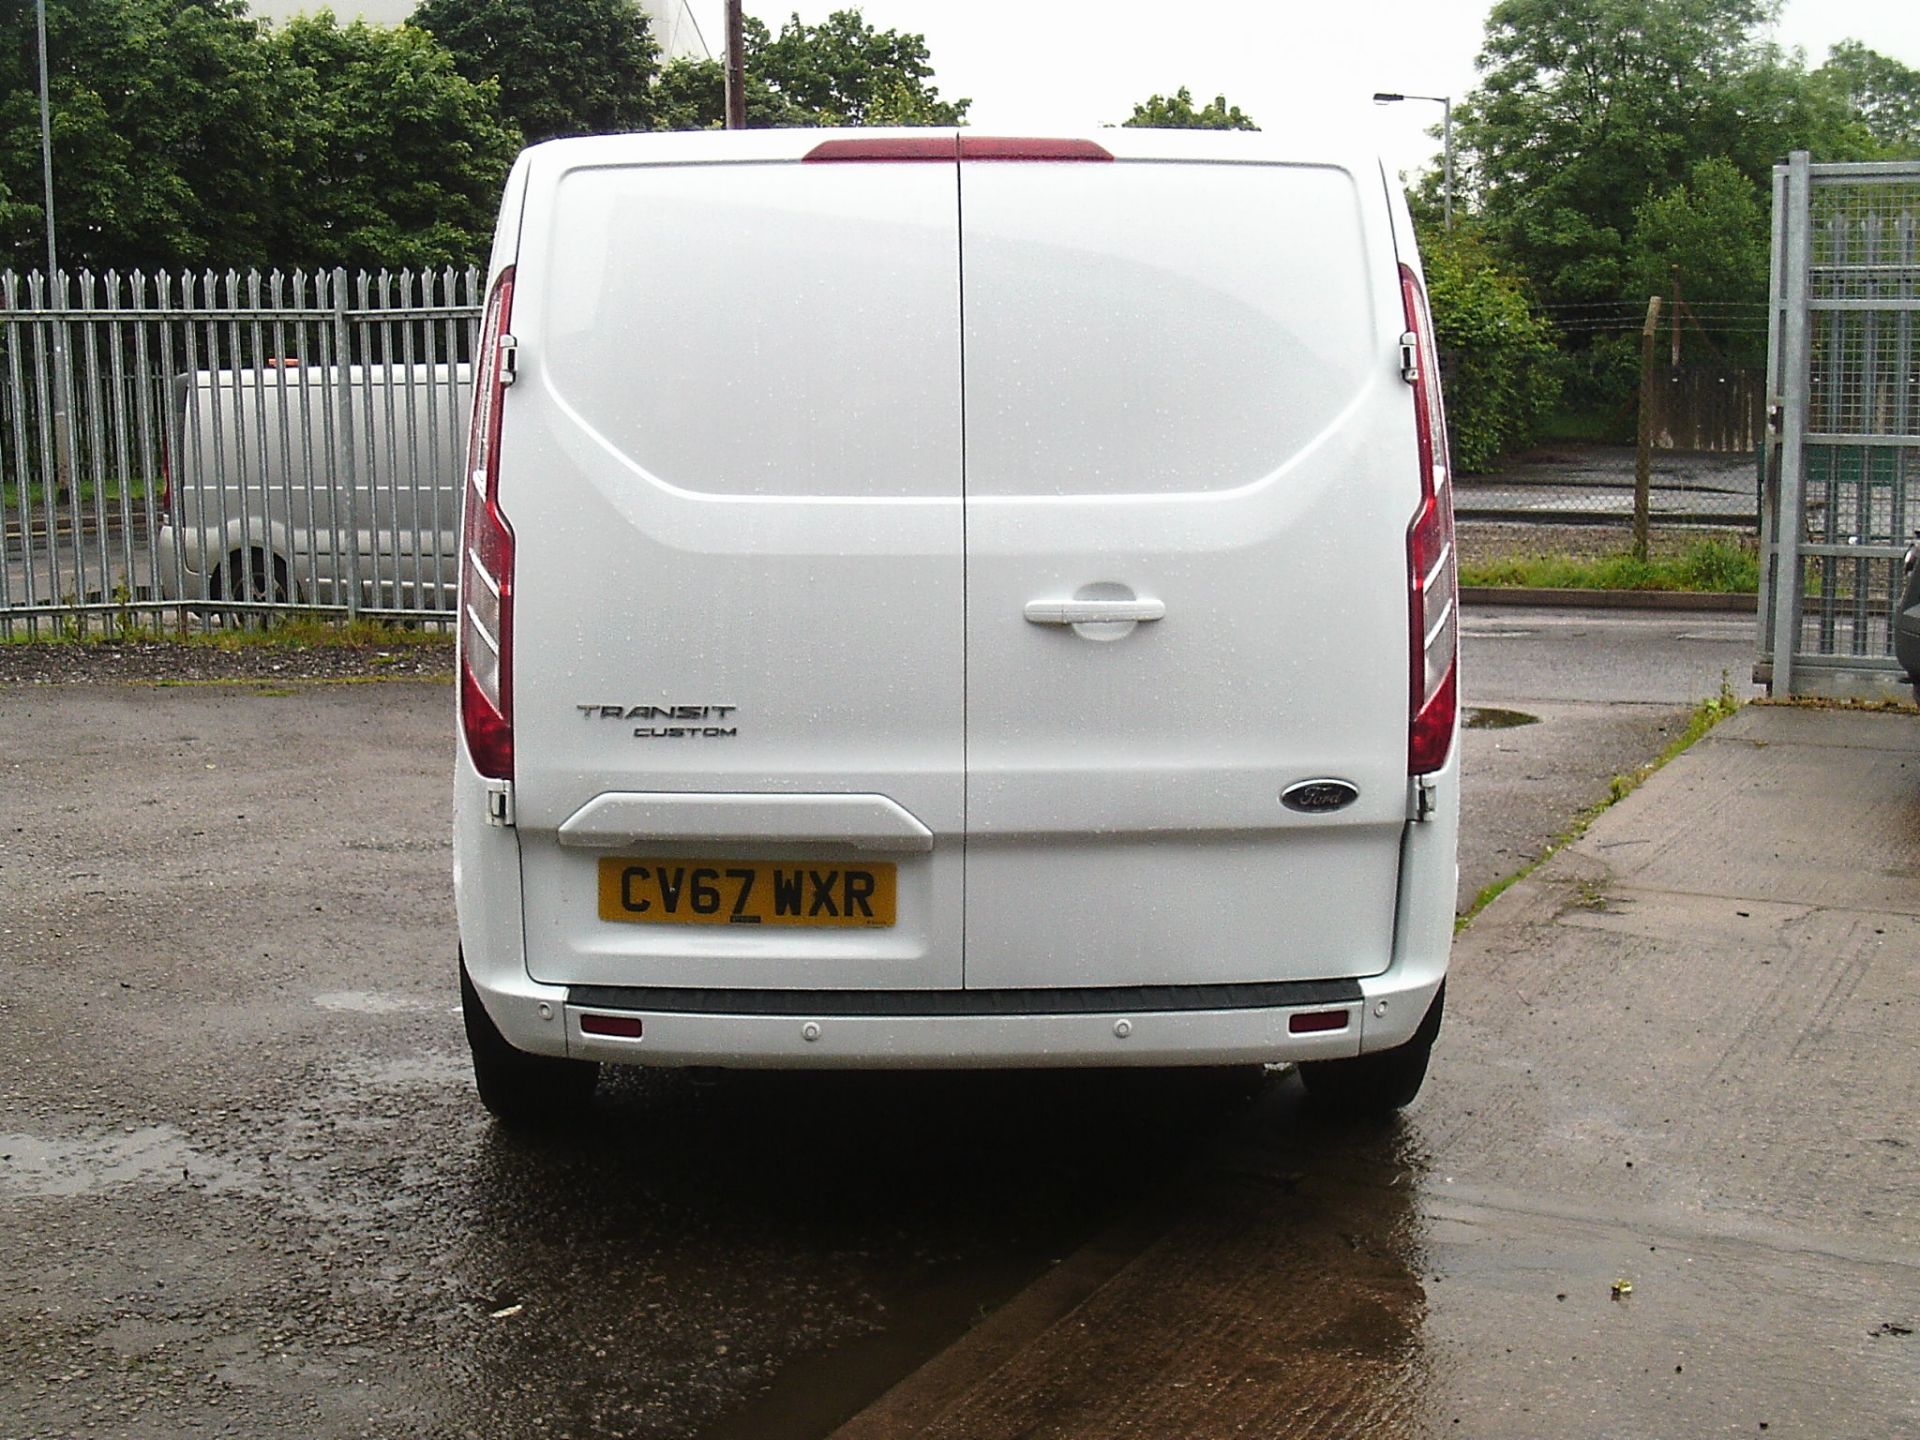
1187,431
731,459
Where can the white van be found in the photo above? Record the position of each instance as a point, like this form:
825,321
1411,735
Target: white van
938,600
293,484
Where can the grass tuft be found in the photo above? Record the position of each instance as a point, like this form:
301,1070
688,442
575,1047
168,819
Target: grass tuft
1715,566
290,632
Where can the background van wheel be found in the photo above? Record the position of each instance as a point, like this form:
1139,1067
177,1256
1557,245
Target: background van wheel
1376,1084
527,1092
251,577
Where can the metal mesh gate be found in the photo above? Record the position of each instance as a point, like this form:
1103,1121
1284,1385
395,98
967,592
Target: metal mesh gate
1843,363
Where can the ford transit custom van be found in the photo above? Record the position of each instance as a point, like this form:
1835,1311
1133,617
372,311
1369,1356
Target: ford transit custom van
939,600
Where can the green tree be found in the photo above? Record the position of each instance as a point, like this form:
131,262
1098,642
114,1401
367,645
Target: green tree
844,72
1712,233
165,118
1880,92
1176,112
1586,106
839,72
398,160
564,67
692,95
1503,376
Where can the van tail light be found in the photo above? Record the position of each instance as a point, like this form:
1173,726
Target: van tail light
1433,598
486,560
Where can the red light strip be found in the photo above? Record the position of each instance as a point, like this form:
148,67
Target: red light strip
954,147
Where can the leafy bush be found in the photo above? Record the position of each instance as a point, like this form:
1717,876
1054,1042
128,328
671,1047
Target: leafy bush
1503,375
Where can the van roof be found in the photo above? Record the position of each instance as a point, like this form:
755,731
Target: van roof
1291,146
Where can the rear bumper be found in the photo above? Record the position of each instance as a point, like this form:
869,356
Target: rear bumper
948,1029
786,1033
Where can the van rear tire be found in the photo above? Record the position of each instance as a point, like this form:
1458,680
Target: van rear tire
1378,1084
251,577
523,1092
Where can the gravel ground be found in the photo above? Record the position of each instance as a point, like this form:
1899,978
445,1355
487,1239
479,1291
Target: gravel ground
178,662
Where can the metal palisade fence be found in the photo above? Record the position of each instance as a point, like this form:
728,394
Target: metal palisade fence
191,449
1843,483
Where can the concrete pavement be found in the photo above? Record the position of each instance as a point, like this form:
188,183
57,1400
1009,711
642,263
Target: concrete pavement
1662,1181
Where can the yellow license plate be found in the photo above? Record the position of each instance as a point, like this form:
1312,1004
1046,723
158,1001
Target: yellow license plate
745,892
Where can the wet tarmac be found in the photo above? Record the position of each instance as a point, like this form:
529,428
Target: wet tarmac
1661,1181
245,1187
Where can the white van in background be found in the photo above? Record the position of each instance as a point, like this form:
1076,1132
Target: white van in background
938,600
289,484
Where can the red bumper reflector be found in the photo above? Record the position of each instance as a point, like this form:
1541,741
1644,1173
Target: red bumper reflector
1314,1022
624,1027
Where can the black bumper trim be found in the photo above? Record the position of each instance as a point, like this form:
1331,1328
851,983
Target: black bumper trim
1102,1000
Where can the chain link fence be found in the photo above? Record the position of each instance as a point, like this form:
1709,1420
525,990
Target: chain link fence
205,448
1577,500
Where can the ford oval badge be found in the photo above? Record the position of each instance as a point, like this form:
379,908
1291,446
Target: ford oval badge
1319,797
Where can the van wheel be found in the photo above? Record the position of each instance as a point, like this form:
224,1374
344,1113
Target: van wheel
524,1092
252,577
1376,1084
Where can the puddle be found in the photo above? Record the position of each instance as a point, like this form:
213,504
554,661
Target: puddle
36,1166
1490,717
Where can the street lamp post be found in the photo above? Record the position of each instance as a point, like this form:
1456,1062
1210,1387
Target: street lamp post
1386,97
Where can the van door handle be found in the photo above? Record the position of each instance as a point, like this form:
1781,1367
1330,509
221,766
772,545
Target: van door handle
1093,612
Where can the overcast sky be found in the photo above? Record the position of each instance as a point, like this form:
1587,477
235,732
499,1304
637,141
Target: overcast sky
1050,67
1036,67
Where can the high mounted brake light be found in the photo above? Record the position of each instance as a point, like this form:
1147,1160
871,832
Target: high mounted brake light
1433,592
486,558
956,147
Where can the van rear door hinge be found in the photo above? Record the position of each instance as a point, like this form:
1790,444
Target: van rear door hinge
500,802
1409,357
509,360
1425,797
